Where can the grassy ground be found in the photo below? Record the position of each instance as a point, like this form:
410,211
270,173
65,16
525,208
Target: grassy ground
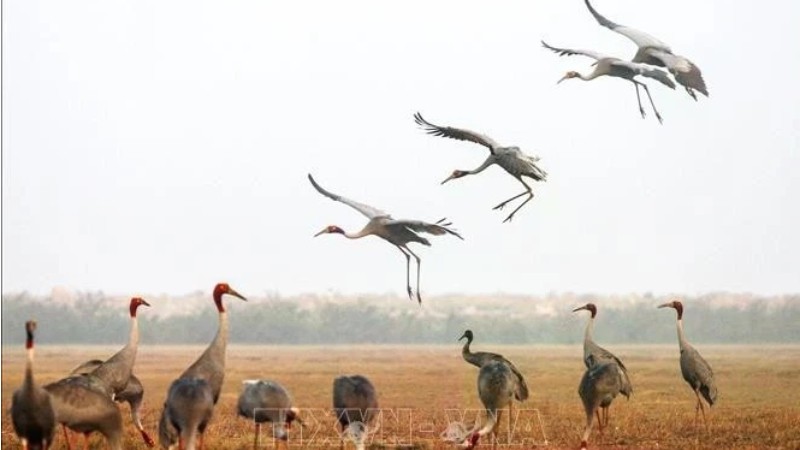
423,388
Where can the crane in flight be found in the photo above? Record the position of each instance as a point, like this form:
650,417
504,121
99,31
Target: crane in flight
655,52
397,232
511,159
615,67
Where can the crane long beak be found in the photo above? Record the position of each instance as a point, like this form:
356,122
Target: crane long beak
562,79
324,230
579,308
447,179
463,336
236,294
145,303
666,305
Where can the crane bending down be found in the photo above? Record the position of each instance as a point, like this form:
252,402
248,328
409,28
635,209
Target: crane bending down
496,387
133,395
511,159
268,401
655,52
398,232
695,370
186,410
31,408
615,67
599,386
480,359
593,355
355,403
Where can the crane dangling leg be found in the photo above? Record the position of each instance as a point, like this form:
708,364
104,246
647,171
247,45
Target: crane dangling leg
408,272
639,99
419,269
647,91
528,191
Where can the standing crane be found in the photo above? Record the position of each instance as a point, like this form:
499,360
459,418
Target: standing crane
355,403
655,52
397,232
186,398
133,395
599,386
695,370
31,408
187,411
496,387
511,159
615,67
479,359
116,371
268,401
593,354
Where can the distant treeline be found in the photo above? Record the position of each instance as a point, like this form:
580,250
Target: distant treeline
89,319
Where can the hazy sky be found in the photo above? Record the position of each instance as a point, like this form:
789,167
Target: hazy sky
153,147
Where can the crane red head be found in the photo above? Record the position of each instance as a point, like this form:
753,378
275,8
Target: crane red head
454,175
589,307
136,302
30,327
221,289
330,229
674,304
568,75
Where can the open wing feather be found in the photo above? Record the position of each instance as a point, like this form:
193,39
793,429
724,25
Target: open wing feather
366,210
641,38
439,228
456,133
572,52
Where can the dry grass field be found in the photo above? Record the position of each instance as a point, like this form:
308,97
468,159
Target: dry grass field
422,387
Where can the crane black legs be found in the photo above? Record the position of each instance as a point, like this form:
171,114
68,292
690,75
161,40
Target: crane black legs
528,192
639,100
408,254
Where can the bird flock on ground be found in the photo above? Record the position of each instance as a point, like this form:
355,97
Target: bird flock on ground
85,400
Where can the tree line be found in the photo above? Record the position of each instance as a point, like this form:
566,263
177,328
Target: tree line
93,318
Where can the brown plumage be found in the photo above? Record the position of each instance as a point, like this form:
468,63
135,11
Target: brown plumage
31,409
187,411
186,399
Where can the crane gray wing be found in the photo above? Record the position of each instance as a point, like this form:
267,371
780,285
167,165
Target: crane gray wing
366,210
456,133
646,71
641,38
572,51
438,228
697,372
686,72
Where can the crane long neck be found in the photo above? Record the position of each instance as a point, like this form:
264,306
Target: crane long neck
133,337
681,336
465,349
29,365
488,162
220,342
358,234
587,335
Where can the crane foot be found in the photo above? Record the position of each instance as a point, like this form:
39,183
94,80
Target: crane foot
660,120
410,295
641,110
419,298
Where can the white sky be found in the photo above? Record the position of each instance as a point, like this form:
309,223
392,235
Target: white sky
153,146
